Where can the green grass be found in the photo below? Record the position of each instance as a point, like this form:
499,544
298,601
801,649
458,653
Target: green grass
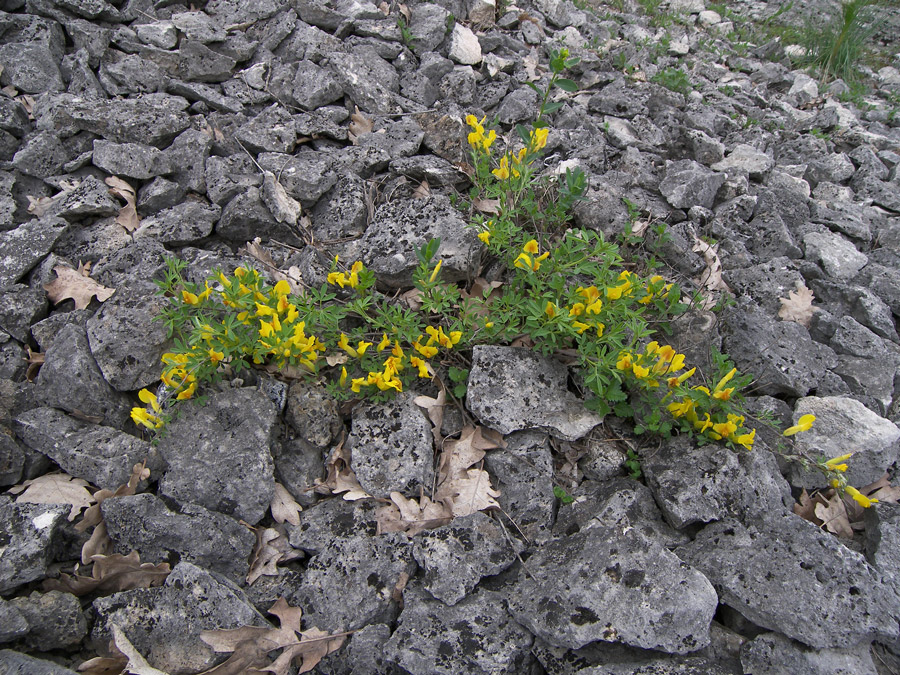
837,46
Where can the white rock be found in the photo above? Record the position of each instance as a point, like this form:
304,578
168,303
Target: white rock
679,48
795,51
687,6
708,17
464,46
482,11
804,89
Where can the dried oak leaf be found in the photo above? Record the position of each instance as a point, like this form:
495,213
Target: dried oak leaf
77,285
834,516
99,542
434,408
284,507
111,574
283,207
459,455
360,125
422,191
491,206
411,516
798,305
468,494
340,477
135,662
55,488
711,278
272,547
128,216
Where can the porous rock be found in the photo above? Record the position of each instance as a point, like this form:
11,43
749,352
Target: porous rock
582,589
688,184
312,413
33,533
16,663
55,619
515,389
184,223
832,598
772,654
219,455
24,246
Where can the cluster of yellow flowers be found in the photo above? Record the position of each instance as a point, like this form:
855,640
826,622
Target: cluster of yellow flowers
529,259
350,279
477,138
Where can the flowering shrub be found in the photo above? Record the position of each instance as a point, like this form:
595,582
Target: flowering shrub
566,289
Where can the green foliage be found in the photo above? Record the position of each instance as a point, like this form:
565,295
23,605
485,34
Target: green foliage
674,79
406,34
632,464
562,495
837,45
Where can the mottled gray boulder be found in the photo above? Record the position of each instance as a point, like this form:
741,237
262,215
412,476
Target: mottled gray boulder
766,282
833,167
475,636
12,458
159,194
774,654
199,63
782,356
457,556
186,156
125,337
16,663
298,464
13,624
329,14
103,456
746,159
391,446
164,623
199,26
362,567
211,95
144,523
41,156
160,34
124,74
227,177
70,379
845,425
342,212
90,198
306,176
332,519
270,131
31,68
883,540
312,413
700,484
32,538
219,456
14,117
133,160
184,223
789,576
585,587
621,98
369,81
435,170
314,86
523,474
246,217
834,254
55,620
22,306
512,389
687,183
859,302
767,235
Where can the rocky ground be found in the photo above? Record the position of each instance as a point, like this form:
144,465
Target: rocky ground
769,183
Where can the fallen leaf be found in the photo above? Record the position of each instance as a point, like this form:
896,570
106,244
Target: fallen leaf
35,361
128,216
798,305
104,665
38,206
413,298
99,543
337,359
411,516
340,478
55,488
283,506
27,102
711,278
469,494
112,574
75,284
254,249
360,125
135,663
459,455
434,408
422,191
283,207
272,547
404,10
491,206
833,515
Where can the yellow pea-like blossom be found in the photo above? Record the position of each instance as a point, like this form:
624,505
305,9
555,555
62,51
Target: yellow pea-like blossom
538,138
803,424
485,237
343,379
384,344
502,171
859,497
837,463
746,439
625,362
215,356
147,396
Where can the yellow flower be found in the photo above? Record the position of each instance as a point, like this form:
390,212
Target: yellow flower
189,298
675,381
485,237
425,350
580,327
538,138
550,310
343,380
437,269
143,417
624,363
725,429
746,439
215,356
148,396
803,424
577,309
703,425
719,392
502,171
266,329
187,393
681,409
336,279
594,307
859,497
590,294
384,344
640,372
282,288
357,383
836,463
421,364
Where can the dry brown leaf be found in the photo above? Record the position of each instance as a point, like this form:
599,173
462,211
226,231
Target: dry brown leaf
272,547
283,506
283,207
111,574
340,477
55,488
469,494
360,125
93,516
337,359
404,10
38,206
798,305
491,206
411,516
413,298
434,408
75,284
459,455
834,516
35,361
104,665
10,91
422,191
99,543
711,278
251,644
254,249
384,7
135,663
27,102
128,216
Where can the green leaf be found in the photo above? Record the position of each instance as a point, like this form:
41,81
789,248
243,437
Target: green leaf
623,410
535,87
460,390
553,106
524,133
562,495
567,85
458,374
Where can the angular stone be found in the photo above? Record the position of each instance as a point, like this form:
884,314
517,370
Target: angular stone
832,599
42,156
464,46
687,183
16,663
13,624
227,177
199,26
313,413
767,282
456,556
476,636
30,67
184,223
199,63
701,484
436,171
90,198
210,95
391,447
160,34
835,254
101,455
22,306
746,159
164,623
55,618
246,217
332,519
31,536
157,195
513,389
124,74
314,86
773,654
219,455
329,14
270,131
187,157
132,160
305,176
342,212
205,538
621,99
70,379
366,81
844,425
584,588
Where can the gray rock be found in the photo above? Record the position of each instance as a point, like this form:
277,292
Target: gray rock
429,24
620,98
12,460
782,356
476,636
882,522
101,455
851,337
701,484
832,600
519,106
270,131
210,95
435,170
687,183
90,198
512,389
835,167
745,158
160,34
32,536
132,160
246,217
844,425
184,223
391,447
342,212
582,589
13,624
330,520
398,139
70,379
43,155
15,663
363,567
157,195
198,26
123,74
219,455
205,538
14,118
457,556
312,413
766,282
55,619
369,81
22,306
227,177
199,63
314,86
164,623
834,253
464,46
774,654
332,13
523,473
769,236
306,176
31,68
187,157
298,465
363,656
